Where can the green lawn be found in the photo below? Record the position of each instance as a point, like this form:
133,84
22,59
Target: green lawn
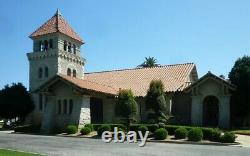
4,152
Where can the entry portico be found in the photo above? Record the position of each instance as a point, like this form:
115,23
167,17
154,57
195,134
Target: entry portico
210,104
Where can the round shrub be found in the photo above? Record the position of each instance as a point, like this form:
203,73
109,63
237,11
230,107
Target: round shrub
71,129
103,128
181,133
143,129
85,130
207,133
161,134
195,134
89,126
228,137
216,135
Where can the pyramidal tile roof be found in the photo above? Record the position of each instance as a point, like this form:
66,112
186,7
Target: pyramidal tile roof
56,24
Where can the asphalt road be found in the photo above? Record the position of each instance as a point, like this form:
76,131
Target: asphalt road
65,146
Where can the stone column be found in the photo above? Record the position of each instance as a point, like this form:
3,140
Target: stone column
224,111
85,111
196,111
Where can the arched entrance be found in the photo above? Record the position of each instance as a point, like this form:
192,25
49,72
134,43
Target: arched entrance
210,111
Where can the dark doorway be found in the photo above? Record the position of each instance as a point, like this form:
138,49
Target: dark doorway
210,111
96,110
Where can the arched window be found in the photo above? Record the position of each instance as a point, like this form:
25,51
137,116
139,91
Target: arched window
69,47
65,106
74,73
69,72
65,46
70,106
41,46
40,73
51,44
40,102
46,45
74,48
46,73
59,108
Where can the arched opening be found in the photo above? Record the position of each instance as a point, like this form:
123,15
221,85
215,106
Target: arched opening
40,73
46,45
74,73
210,111
69,47
65,46
74,48
69,72
51,44
46,73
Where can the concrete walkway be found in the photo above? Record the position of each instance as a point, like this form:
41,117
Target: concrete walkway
244,140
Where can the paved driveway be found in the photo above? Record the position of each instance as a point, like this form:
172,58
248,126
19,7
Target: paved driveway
65,146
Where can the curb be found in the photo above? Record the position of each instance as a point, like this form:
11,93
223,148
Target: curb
195,143
13,150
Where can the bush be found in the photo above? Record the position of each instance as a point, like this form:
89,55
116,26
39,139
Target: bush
207,133
171,128
85,130
181,133
161,134
195,134
228,137
103,128
216,135
143,129
153,127
71,129
134,127
89,126
28,128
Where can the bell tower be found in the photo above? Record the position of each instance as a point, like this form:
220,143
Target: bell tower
56,50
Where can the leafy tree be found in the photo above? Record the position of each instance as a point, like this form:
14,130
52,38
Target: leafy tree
126,106
240,76
149,62
15,101
155,101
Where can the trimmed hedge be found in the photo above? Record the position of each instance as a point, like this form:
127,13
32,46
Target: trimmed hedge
103,128
228,137
181,133
207,133
28,128
89,126
172,128
160,134
121,126
143,129
153,127
195,134
71,129
85,130
216,135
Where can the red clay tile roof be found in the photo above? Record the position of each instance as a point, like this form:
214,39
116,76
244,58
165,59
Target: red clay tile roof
56,24
91,86
175,78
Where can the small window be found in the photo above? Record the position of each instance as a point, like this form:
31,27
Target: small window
70,106
51,44
74,48
46,101
69,72
74,73
65,46
46,72
59,108
46,45
40,73
65,106
40,102
40,46
69,47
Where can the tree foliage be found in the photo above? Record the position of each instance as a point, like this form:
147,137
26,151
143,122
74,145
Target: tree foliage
126,106
15,101
149,62
240,76
155,101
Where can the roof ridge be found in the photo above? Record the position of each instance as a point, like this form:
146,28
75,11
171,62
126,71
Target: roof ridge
160,66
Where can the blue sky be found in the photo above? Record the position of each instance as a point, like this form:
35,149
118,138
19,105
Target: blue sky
120,33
